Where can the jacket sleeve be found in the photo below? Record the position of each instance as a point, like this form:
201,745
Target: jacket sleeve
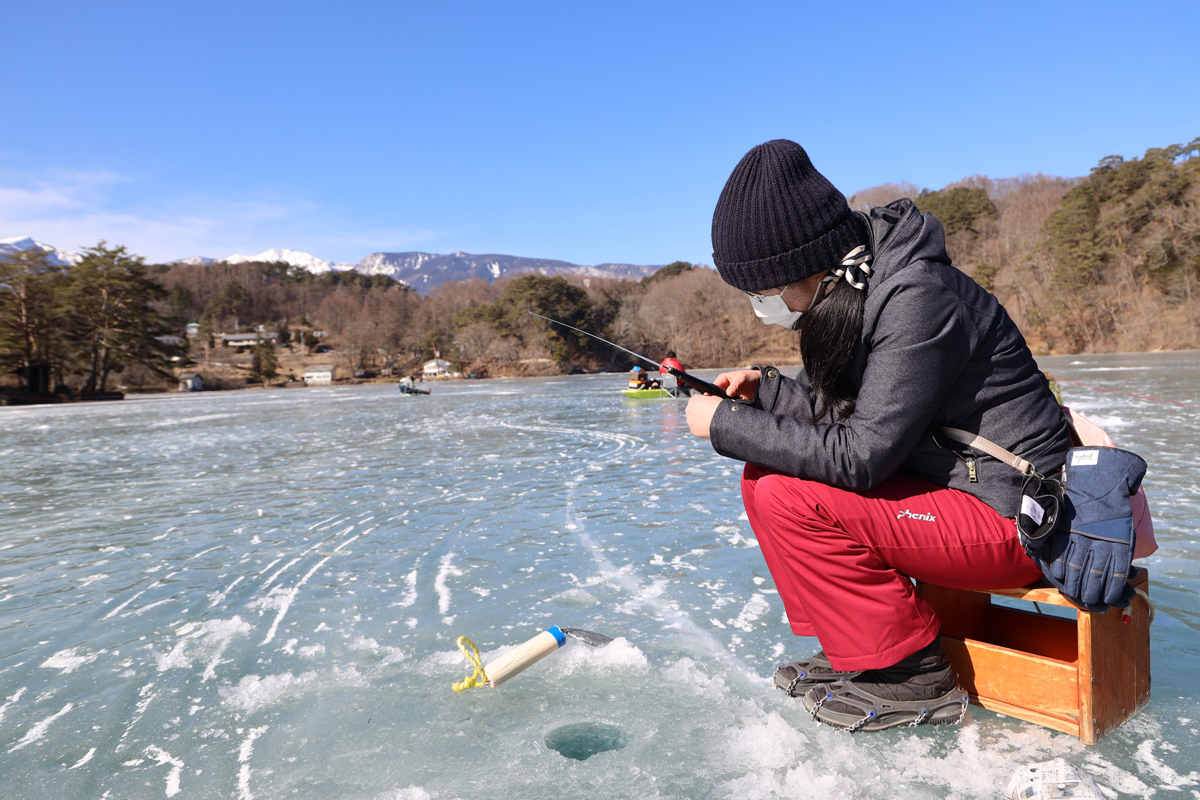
779,394
917,348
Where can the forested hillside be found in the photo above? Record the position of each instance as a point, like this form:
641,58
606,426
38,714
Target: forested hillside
1107,262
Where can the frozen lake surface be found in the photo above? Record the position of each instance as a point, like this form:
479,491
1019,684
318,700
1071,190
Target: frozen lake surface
257,594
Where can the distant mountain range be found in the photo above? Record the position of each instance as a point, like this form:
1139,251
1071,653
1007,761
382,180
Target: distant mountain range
421,271
293,257
15,244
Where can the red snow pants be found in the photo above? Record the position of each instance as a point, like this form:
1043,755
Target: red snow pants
842,560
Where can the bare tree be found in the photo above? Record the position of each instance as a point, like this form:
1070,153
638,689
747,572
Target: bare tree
338,311
473,340
866,199
503,350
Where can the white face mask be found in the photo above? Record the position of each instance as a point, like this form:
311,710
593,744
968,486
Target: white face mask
772,310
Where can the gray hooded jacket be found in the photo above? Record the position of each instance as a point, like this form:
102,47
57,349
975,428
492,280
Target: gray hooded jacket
935,349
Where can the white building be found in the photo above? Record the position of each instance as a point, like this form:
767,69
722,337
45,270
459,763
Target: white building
239,341
321,375
435,368
190,382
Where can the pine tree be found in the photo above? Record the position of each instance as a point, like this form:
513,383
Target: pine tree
549,297
264,366
985,275
29,317
958,209
1075,240
106,304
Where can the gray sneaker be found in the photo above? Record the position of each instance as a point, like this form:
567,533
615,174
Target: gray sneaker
796,678
921,689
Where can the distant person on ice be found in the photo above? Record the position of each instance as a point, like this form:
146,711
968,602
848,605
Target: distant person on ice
671,361
847,485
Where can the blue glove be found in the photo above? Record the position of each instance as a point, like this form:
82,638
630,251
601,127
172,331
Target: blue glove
1090,557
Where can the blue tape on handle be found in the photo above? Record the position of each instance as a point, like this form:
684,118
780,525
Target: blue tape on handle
558,635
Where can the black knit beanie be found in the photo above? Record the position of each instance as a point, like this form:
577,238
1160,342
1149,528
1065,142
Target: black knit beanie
779,221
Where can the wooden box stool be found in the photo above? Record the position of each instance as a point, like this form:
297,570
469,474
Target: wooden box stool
1082,676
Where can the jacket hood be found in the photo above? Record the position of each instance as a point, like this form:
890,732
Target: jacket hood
900,235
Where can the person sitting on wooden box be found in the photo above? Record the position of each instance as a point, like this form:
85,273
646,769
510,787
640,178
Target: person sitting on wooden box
845,487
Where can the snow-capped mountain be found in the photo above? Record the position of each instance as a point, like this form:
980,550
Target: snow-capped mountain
294,257
423,271
61,258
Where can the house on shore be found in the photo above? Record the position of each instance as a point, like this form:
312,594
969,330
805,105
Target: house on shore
321,375
241,341
190,382
436,368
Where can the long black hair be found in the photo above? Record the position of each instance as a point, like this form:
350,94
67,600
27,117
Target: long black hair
828,338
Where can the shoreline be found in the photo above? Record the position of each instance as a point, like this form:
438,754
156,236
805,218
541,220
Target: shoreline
13,400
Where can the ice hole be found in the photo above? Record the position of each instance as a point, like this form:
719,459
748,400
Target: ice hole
582,740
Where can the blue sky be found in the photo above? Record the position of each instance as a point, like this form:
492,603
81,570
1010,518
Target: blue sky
586,132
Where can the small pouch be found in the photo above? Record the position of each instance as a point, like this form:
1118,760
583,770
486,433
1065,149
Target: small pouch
1041,506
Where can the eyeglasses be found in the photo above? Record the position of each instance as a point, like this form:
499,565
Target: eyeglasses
768,293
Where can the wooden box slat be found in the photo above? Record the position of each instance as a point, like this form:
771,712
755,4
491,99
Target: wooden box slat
1019,679
1083,676
1037,593
1067,725
1116,667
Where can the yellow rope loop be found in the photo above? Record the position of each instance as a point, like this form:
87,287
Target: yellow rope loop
478,678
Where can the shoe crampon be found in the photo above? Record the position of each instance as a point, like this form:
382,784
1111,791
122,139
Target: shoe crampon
845,705
798,677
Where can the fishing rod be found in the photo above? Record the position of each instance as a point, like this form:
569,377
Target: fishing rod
680,375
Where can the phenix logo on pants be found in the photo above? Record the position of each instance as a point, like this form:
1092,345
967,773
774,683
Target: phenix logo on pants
911,515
